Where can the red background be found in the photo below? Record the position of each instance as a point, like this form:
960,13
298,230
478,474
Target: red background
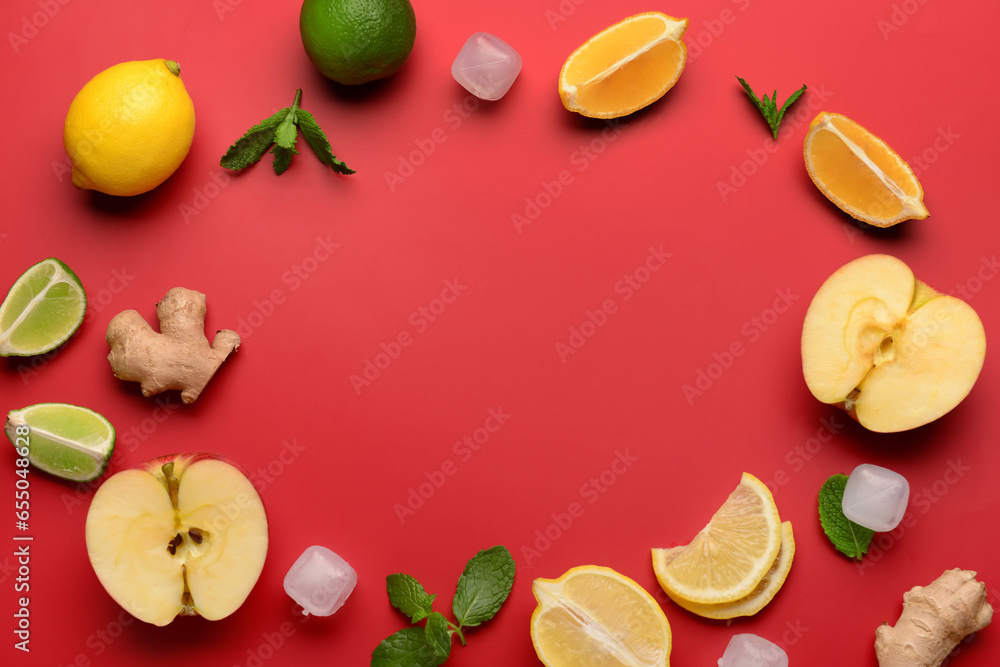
914,73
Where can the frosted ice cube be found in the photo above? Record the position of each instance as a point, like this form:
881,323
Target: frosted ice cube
752,651
486,66
875,497
320,581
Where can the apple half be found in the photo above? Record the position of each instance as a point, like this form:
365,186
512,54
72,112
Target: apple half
888,349
182,535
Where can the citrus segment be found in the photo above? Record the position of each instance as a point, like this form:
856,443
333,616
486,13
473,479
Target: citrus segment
129,128
65,440
860,173
748,605
594,614
730,555
625,67
42,310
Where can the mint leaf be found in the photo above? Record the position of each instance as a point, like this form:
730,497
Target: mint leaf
848,537
319,143
436,634
406,648
769,107
282,158
251,146
408,596
281,130
483,586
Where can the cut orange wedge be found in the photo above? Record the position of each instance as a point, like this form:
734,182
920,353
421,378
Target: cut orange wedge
593,615
728,558
763,592
625,67
860,173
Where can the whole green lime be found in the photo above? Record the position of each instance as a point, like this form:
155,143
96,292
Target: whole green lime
356,41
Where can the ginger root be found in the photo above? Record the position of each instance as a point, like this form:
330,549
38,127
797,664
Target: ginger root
935,619
179,357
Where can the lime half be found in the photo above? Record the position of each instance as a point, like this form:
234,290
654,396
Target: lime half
66,440
43,309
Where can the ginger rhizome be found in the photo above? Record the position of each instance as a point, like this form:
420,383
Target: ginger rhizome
935,619
179,357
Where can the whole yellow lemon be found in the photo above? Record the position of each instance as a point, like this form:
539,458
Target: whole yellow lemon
129,128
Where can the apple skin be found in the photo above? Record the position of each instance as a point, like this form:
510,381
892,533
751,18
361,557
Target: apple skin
180,535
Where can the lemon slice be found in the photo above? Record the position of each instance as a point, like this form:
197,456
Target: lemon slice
594,615
860,173
729,557
65,440
758,598
42,310
624,67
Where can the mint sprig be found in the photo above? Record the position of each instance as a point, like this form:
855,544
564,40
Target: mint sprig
769,106
282,131
847,537
482,589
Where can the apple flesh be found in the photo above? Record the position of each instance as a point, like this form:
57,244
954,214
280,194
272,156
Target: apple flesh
182,535
888,349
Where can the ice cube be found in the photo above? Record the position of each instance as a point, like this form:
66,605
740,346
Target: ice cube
486,66
875,497
752,651
320,581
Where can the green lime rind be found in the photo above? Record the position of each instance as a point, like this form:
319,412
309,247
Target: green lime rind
64,440
42,310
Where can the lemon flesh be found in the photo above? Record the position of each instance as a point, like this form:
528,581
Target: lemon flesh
728,558
593,614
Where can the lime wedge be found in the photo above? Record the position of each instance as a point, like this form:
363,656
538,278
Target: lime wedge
43,309
62,439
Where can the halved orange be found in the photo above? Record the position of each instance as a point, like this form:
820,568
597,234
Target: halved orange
757,599
625,67
728,558
860,173
594,615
